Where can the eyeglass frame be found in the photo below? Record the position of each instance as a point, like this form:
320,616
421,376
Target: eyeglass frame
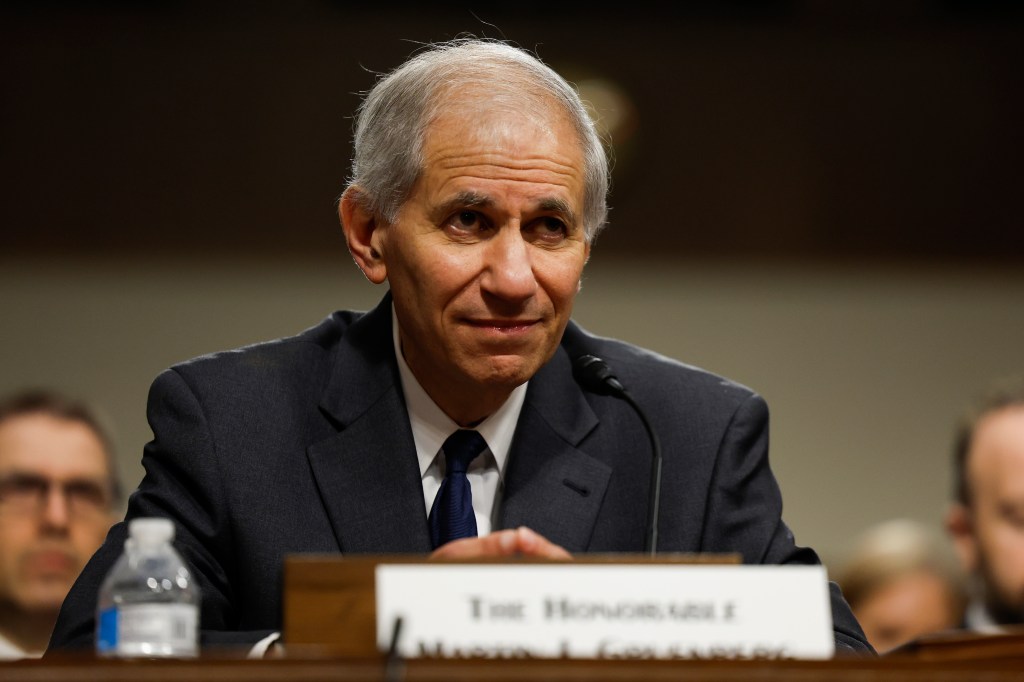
26,493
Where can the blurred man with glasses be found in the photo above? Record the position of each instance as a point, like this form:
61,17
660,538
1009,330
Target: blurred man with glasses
58,488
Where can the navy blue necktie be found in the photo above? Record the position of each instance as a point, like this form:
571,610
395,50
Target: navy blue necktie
451,516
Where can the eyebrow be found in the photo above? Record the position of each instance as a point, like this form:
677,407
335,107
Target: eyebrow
561,207
470,199
22,475
465,199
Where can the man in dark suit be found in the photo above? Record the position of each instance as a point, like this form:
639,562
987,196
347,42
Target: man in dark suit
478,187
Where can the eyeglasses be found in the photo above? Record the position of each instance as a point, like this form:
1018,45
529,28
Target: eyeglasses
26,494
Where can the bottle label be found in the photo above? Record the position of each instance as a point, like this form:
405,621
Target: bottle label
106,637
155,629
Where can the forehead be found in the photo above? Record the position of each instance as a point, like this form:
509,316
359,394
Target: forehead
537,147
996,459
52,447
911,589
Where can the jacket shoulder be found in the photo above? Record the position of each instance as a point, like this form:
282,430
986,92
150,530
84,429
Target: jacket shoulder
302,360
648,374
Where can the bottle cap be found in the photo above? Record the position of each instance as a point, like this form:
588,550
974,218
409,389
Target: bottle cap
151,531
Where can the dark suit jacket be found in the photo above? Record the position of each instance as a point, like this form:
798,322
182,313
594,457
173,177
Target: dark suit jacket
304,445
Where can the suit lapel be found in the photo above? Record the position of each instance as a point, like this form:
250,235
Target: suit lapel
552,486
367,473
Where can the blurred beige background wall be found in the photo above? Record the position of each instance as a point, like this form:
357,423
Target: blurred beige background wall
865,369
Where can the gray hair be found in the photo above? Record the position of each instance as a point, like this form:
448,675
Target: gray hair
392,121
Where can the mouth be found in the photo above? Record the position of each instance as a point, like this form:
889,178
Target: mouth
50,562
505,327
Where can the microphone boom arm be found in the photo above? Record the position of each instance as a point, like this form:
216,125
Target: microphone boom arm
595,375
654,503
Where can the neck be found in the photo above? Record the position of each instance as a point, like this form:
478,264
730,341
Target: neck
469,413
466,403
29,631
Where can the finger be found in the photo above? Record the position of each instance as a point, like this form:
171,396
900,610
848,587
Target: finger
500,543
533,544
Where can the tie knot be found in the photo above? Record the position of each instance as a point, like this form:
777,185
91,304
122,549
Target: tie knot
461,448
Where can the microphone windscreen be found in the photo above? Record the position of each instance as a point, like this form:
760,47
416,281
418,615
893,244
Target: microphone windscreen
594,374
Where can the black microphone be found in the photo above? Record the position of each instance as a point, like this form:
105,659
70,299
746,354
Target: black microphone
594,374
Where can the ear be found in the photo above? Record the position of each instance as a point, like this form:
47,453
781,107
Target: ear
362,234
960,526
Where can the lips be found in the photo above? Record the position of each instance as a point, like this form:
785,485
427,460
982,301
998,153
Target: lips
49,562
505,326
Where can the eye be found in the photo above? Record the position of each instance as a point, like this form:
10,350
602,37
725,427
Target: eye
466,221
87,493
549,229
20,487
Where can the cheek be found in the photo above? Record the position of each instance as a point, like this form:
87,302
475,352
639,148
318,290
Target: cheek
559,276
14,543
439,272
16,536
87,540
1009,541
1001,547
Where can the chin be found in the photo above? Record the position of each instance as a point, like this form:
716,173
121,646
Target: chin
507,372
44,600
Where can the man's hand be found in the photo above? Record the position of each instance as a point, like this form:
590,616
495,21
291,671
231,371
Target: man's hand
521,541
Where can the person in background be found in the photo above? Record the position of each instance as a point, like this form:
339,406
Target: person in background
902,581
57,490
986,520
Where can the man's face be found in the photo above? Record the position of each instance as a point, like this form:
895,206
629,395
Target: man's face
995,475
54,507
485,258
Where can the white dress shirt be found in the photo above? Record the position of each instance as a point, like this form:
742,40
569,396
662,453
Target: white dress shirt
978,619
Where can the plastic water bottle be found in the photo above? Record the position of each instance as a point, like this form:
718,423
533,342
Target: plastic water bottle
149,602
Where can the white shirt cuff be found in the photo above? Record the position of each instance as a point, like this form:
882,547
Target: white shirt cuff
260,648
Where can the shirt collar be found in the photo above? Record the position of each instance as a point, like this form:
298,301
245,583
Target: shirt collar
431,426
978,619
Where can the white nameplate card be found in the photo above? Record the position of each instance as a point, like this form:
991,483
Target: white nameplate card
605,611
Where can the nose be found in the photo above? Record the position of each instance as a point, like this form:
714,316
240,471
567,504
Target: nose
56,514
508,271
